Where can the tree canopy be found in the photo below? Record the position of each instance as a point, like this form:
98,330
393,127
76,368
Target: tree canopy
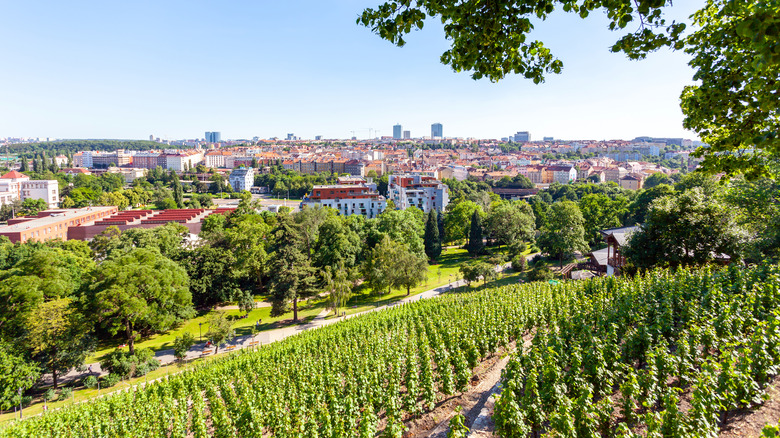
733,107
688,228
141,292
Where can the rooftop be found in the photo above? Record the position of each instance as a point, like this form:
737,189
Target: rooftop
13,175
55,216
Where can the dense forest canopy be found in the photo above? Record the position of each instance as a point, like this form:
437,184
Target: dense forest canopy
63,146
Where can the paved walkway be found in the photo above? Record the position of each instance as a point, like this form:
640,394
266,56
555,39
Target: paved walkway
166,357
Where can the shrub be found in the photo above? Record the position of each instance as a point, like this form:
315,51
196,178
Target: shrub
518,263
517,247
110,380
65,394
540,272
90,381
537,259
50,394
126,365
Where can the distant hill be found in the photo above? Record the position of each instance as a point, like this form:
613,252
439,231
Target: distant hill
62,146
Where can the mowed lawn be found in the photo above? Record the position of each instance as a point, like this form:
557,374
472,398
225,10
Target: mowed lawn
242,326
446,271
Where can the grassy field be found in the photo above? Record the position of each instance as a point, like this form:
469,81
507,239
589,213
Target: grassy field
242,326
447,271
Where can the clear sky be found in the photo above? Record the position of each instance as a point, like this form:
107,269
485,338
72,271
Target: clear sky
109,69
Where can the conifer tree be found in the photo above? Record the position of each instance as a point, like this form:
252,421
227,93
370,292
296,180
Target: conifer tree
440,224
432,241
476,246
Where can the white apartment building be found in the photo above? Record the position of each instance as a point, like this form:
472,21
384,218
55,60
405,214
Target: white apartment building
242,178
180,161
15,185
563,174
83,159
217,159
347,199
423,192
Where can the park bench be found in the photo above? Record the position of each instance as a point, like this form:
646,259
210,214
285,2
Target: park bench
253,343
206,352
230,348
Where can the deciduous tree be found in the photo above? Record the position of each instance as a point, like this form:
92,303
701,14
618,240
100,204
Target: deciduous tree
510,222
141,292
15,373
292,276
564,232
220,329
58,336
688,228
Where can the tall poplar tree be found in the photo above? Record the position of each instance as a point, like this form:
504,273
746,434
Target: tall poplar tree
178,193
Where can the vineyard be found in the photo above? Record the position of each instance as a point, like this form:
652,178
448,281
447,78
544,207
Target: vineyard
609,356
667,355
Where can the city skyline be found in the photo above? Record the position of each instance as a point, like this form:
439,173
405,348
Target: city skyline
128,84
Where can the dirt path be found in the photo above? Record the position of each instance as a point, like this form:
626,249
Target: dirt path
750,422
485,381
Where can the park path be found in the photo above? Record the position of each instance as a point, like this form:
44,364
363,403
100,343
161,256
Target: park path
166,357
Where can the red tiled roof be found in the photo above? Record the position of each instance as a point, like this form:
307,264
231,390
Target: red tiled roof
13,174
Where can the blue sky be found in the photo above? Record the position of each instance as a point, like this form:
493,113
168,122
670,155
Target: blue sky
88,69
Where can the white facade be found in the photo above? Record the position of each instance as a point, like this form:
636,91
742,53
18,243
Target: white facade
348,199
564,174
48,190
418,191
15,185
178,162
215,159
368,207
83,159
242,178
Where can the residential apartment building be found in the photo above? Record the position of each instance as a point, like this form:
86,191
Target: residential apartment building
347,199
563,174
355,168
632,182
615,173
146,160
215,159
423,192
183,161
537,174
15,185
242,178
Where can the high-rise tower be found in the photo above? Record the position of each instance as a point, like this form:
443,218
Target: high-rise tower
437,130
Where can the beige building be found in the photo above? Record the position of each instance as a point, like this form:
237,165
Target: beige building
632,182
